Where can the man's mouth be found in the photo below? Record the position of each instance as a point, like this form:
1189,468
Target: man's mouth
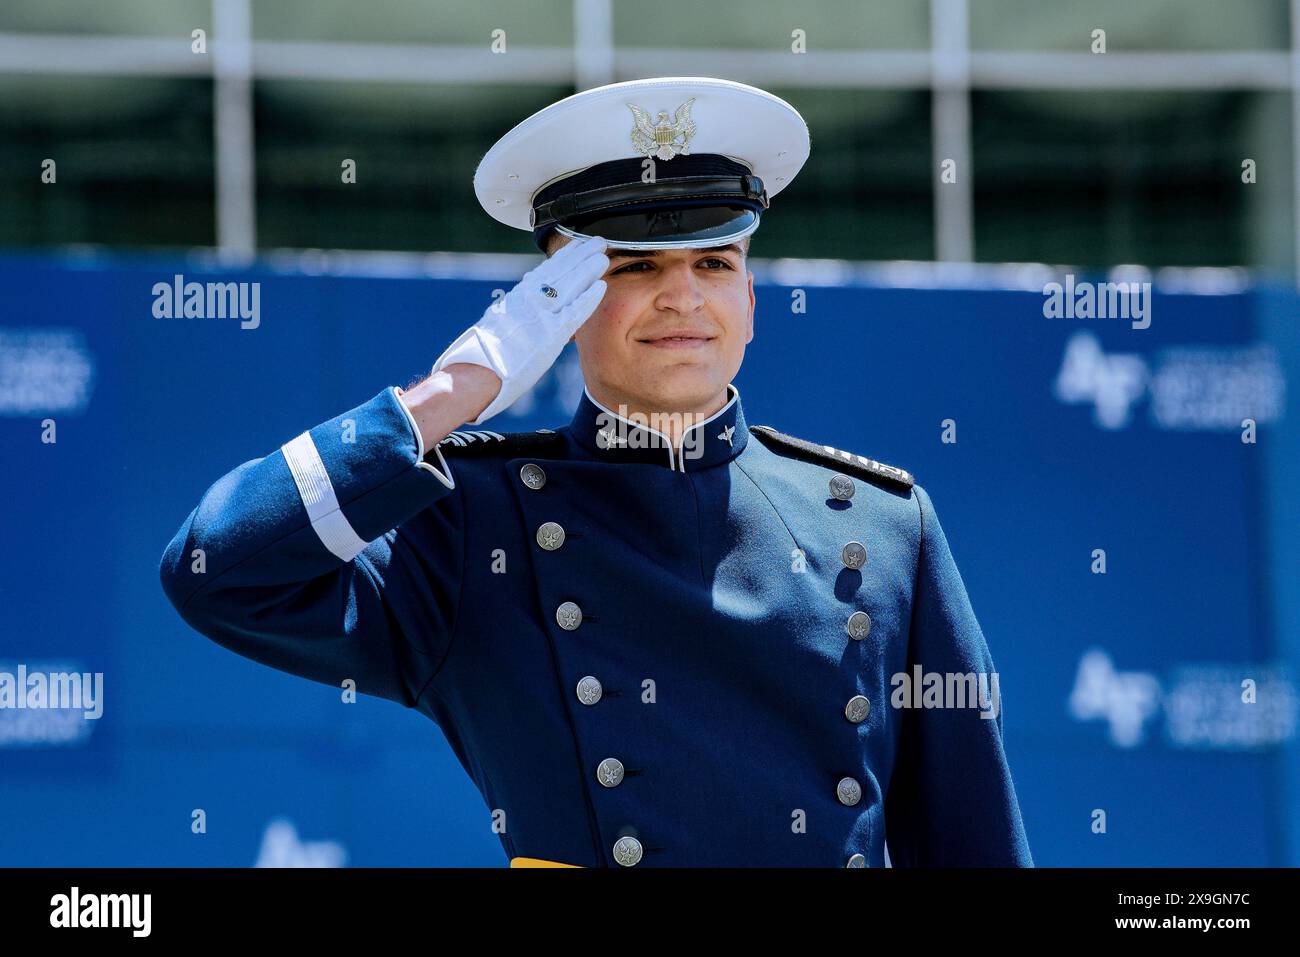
678,340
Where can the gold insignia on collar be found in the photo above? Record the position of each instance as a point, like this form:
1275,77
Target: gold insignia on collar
661,137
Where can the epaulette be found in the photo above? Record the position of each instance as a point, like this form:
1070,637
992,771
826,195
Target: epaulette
825,455
486,442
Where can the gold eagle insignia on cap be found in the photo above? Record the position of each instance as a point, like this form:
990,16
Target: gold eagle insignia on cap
661,137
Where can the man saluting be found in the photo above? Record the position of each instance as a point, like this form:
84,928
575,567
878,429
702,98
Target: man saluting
658,635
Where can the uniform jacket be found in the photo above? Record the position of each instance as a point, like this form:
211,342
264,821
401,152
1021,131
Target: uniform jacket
642,656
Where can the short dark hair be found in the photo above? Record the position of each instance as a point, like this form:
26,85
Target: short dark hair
550,243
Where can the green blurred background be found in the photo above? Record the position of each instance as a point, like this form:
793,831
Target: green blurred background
1131,156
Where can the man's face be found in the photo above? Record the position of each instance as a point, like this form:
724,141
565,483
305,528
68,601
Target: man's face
671,330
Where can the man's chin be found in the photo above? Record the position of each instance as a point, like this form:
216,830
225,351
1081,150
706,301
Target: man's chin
683,389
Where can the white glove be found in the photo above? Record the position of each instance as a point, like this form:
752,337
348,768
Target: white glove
520,337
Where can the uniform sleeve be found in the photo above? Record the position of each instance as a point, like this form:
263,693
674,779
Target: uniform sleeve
951,801
338,556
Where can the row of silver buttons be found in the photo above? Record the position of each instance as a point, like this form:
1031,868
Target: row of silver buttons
628,851
854,556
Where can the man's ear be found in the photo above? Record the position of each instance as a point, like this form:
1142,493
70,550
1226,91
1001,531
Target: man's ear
750,335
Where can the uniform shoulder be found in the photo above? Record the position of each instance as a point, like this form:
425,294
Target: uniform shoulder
838,459
478,443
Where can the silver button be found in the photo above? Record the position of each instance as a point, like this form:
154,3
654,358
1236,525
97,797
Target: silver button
568,616
627,851
853,555
857,860
533,476
859,625
848,791
857,709
589,690
551,536
842,487
610,772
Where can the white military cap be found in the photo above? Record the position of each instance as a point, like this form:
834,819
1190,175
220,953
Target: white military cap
666,162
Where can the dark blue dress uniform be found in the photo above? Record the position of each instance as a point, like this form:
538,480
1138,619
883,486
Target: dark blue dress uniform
642,656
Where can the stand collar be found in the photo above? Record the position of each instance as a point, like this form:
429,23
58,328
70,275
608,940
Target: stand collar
615,438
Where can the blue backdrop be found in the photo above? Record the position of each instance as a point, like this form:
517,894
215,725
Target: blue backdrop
1123,691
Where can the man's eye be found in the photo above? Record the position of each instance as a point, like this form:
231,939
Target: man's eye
716,261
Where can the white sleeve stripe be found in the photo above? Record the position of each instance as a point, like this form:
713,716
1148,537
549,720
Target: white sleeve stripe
310,476
317,493
337,534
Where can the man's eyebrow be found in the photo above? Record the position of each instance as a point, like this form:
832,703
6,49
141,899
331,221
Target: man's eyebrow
652,253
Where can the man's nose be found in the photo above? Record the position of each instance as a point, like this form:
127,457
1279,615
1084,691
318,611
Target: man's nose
679,289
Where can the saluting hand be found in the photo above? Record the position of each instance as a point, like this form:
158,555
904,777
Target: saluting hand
520,336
